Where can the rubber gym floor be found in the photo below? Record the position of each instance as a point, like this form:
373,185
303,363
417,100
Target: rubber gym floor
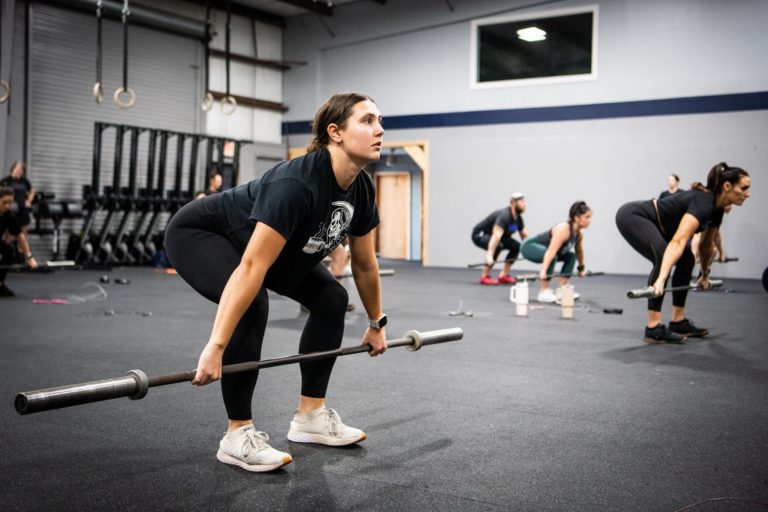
535,413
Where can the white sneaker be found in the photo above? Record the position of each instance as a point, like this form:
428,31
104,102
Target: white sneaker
323,426
559,295
546,296
248,449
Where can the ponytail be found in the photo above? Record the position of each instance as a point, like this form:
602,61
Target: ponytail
336,110
719,175
577,208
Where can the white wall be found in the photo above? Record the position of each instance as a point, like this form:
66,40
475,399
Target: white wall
647,50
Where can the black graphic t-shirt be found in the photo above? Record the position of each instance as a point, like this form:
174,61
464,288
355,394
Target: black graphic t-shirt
504,219
301,200
696,202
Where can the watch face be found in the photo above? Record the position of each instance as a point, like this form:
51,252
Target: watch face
378,324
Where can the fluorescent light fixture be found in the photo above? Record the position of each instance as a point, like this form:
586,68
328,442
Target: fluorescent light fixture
531,34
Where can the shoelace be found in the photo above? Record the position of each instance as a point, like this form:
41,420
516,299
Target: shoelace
254,440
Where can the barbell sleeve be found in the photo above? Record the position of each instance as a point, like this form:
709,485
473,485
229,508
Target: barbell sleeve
135,384
646,292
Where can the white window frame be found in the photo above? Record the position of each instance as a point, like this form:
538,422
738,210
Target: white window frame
519,82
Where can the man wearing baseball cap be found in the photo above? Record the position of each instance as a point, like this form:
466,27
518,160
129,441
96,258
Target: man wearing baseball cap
494,234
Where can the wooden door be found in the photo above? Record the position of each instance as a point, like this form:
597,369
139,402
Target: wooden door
393,199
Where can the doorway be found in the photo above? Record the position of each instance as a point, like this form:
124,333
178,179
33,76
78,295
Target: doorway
393,200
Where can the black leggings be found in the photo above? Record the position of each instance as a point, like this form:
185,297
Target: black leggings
205,258
481,239
6,258
644,236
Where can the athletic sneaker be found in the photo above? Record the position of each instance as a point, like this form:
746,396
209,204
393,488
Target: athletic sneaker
248,449
488,280
546,296
559,295
686,328
5,291
660,334
323,426
507,280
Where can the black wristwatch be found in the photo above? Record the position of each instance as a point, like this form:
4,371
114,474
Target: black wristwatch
378,324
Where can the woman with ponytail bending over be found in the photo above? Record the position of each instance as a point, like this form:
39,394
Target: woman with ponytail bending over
661,229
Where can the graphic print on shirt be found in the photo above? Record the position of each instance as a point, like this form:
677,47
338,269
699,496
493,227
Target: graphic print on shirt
332,231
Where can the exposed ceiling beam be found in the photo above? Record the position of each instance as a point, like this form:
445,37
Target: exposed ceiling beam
244,10
321,7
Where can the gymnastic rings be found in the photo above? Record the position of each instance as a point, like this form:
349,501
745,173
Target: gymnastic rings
98,92
228,105
120,93
207,103
6,91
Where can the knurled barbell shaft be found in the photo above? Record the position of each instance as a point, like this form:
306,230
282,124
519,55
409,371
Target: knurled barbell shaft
136,383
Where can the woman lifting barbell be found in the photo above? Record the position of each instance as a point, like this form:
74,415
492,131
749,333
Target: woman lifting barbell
273,233
661,229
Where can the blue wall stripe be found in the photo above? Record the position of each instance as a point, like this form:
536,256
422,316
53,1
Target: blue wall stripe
663,107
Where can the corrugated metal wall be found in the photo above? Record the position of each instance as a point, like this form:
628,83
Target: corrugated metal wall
164,70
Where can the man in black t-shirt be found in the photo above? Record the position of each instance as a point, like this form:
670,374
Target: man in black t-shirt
9,226
494,234
272,234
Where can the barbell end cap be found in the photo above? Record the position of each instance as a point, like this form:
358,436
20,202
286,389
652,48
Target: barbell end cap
20,403
418,341
142,384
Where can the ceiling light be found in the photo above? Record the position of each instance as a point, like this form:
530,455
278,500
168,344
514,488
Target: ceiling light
531,34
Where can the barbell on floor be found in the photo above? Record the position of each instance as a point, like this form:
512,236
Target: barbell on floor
42,267
135,384
382,272
535,277
641,293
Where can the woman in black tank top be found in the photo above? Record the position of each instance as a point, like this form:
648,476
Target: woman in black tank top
561,243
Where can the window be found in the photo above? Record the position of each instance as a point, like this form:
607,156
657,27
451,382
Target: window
558,46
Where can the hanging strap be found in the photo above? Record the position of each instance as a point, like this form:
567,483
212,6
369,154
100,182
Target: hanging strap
125,91
207,103
5,87
228,104
98,90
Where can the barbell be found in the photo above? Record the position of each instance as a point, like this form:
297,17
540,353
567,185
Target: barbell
135,384
535,277
640,293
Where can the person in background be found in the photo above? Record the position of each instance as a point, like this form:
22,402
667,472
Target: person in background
494,234
564,242
673,183
10,228
23,192
660,230
214,183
